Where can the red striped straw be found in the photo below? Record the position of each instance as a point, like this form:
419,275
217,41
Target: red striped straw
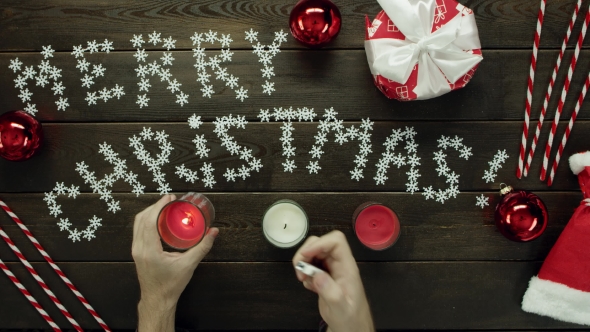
35,275
54,266
563,95
568,130
550,87
529,95
28,295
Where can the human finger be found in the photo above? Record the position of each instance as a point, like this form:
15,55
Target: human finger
150,219
137,220
333,244
145,213
327,289
334,251
308,284
196,254
298,257
148,238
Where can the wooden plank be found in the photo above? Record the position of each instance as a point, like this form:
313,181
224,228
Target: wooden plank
502,24
67,144
430,231
339,79
453,295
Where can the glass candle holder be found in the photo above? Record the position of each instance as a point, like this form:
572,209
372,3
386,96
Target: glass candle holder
285,223
184,222
375,225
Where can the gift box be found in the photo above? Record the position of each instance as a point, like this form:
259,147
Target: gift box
421,49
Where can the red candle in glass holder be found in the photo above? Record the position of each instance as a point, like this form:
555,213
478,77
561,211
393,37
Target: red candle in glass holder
375,225
183,223
20,135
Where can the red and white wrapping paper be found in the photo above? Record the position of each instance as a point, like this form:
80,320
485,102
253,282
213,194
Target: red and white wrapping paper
421,49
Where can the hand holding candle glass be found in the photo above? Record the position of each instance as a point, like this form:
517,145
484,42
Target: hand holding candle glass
162,275
183,223
342,300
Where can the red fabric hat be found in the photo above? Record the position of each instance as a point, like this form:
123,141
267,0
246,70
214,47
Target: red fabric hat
562,288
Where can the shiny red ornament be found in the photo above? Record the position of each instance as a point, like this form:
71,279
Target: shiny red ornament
21,135
521,215
315,23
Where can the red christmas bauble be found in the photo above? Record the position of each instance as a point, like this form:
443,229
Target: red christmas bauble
20,135
315,23
521,215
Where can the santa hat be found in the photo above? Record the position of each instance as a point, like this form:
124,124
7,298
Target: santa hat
562,288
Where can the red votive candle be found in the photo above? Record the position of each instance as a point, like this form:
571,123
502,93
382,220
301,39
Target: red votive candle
375,225
183,223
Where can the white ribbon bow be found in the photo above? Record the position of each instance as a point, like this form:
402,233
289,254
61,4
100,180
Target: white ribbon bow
440,55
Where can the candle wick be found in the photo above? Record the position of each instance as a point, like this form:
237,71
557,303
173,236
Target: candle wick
285,226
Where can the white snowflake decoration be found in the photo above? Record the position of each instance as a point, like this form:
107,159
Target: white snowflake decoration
31,108
15,65
101,187
330,123
266,54
156,69
202,151
268,87
482,201
154,38
389,158
154,164
222,126
42,79
93,71
363,135
47,52
496,163
451,178
289,166
142,100
137,41
287,115
202,62
62,103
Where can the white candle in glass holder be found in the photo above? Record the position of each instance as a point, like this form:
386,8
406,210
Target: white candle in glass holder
285,224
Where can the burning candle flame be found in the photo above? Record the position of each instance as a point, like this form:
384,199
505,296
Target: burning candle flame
188,220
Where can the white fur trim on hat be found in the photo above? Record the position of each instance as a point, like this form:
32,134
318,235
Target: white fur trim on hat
578,161
548,298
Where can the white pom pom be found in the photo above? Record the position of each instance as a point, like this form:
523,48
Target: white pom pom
578,161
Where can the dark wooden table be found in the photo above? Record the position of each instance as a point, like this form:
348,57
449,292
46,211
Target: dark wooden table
450,270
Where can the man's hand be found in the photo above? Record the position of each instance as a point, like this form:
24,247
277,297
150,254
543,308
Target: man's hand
162,275
342,300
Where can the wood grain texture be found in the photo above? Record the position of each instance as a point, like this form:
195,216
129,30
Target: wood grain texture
62,23
320,79
457,230
453,295
450,270
67,144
